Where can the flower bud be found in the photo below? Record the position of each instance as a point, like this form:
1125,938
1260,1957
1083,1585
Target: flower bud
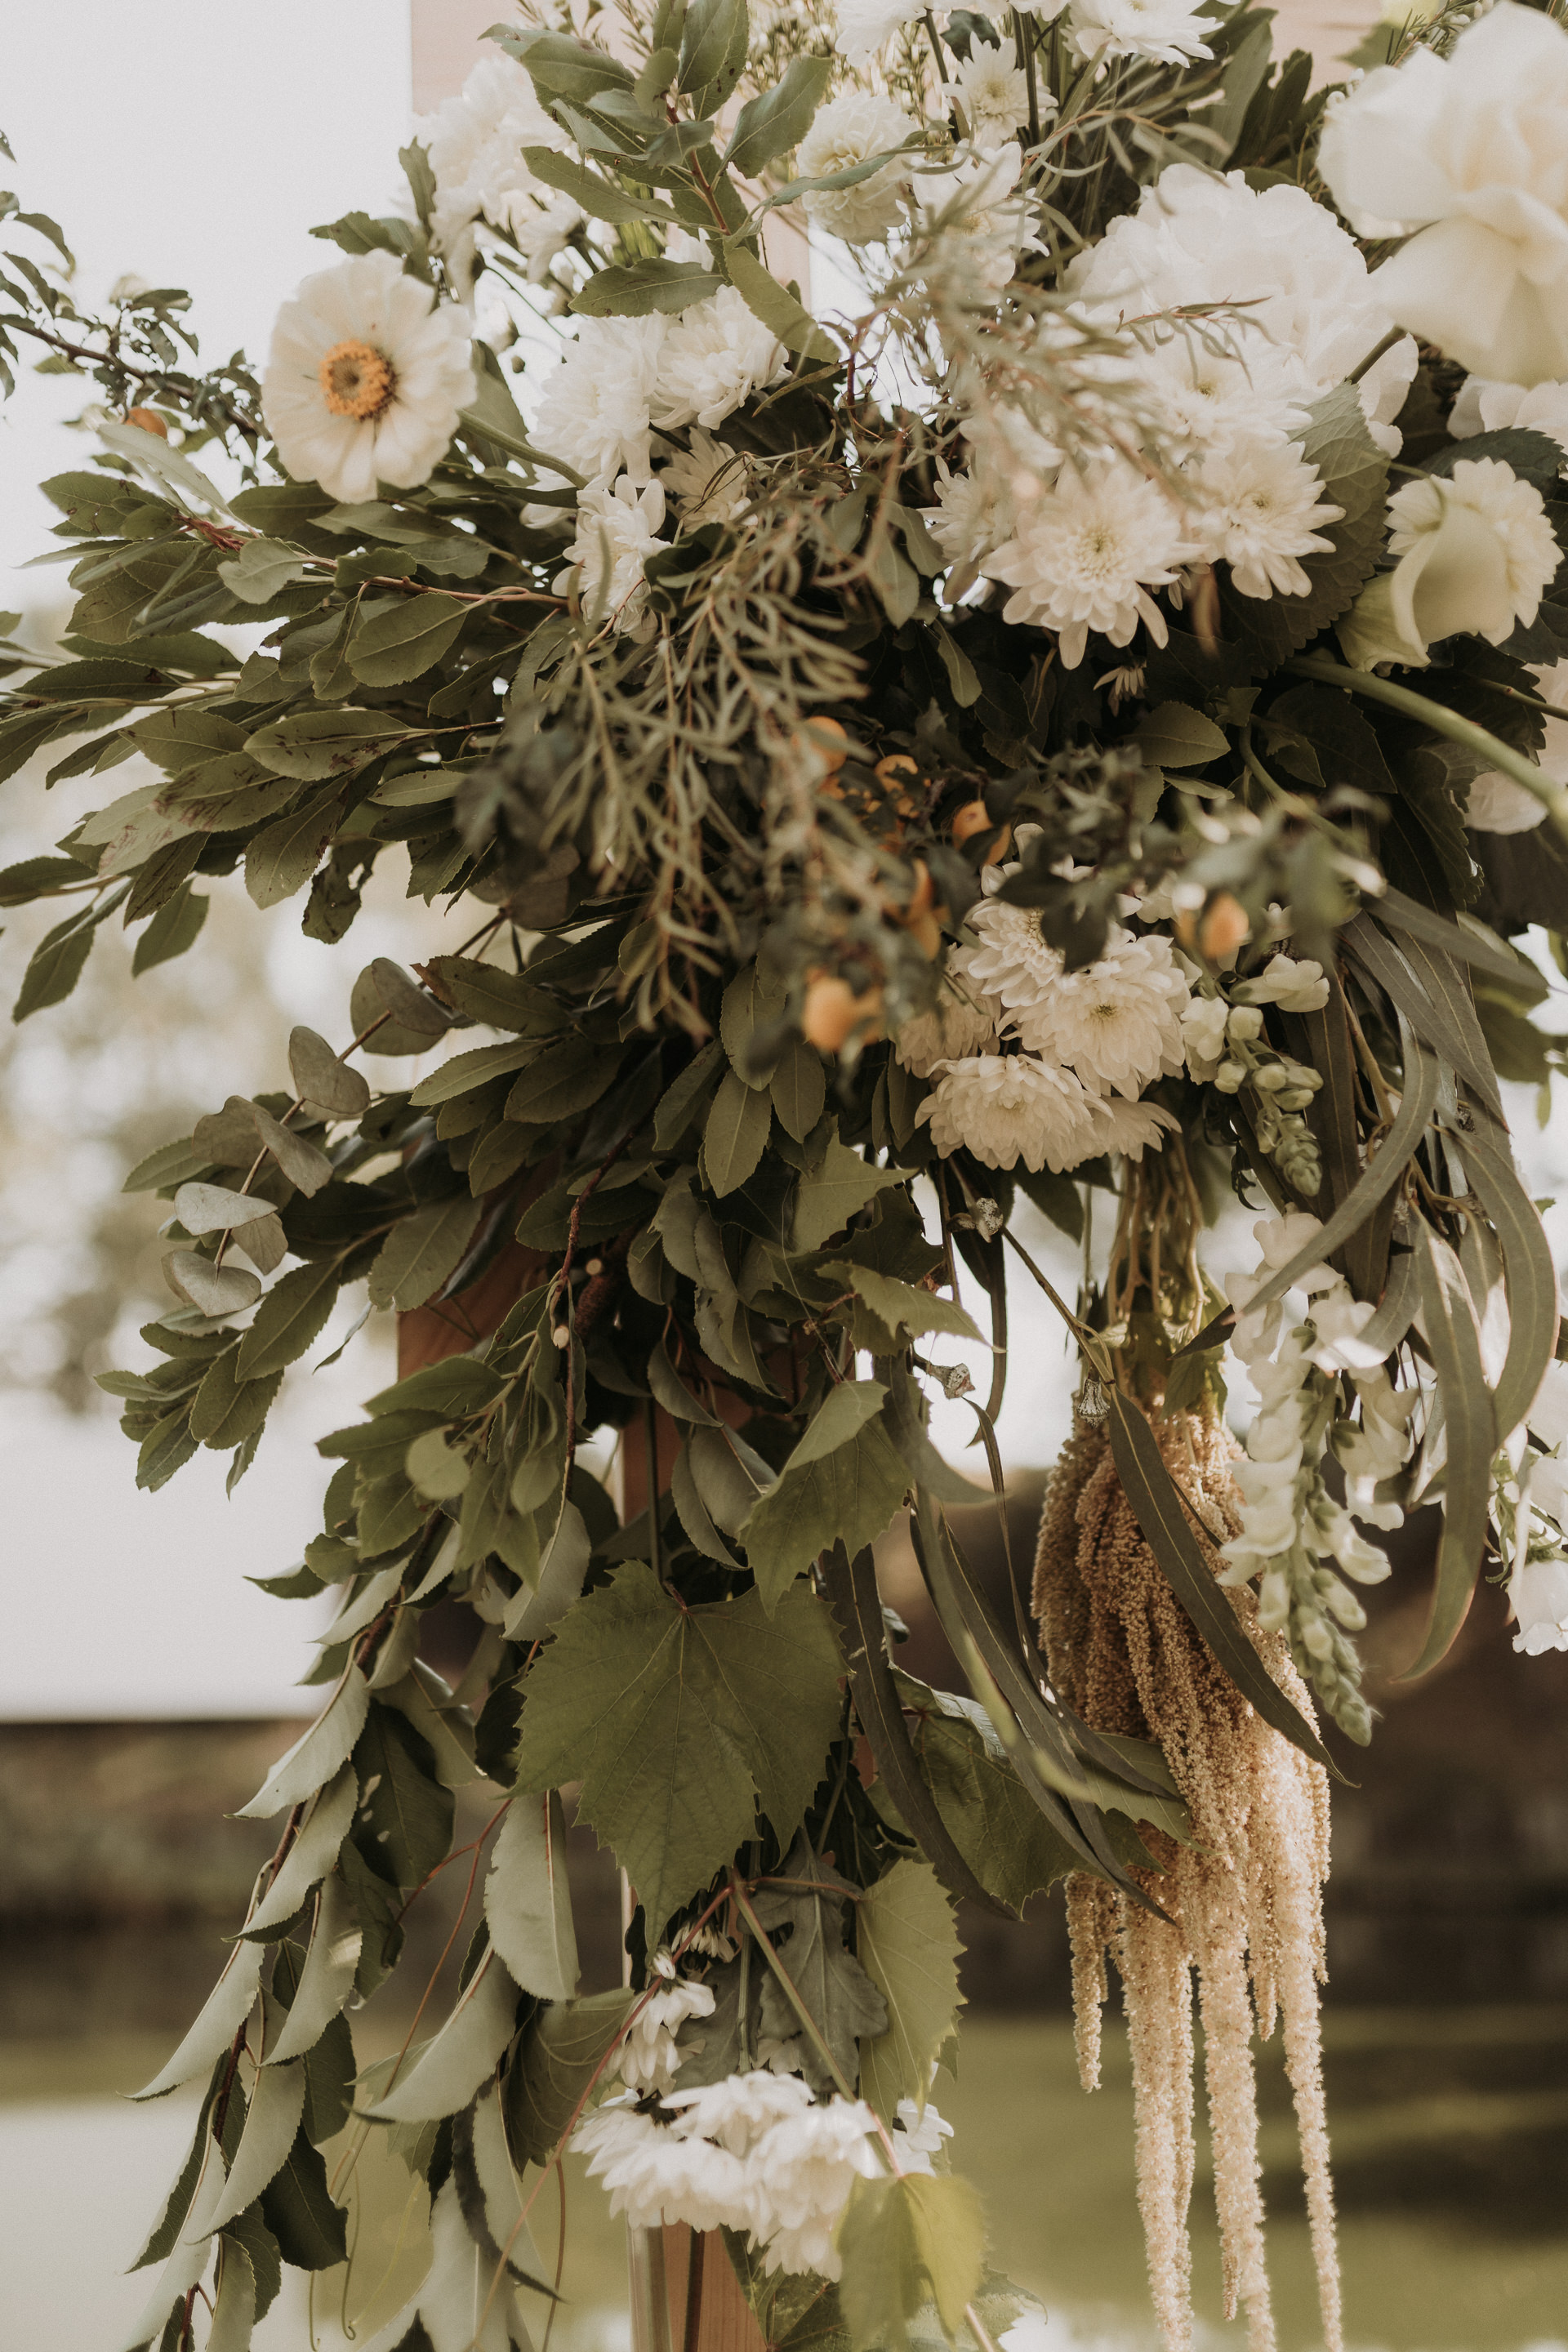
1230,1078
1271,1076
1245,1023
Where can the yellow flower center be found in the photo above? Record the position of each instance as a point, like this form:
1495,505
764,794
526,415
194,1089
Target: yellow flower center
357,381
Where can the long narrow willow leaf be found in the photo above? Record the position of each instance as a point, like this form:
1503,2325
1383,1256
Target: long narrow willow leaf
1160,1512
855,1602
1554,798
1419,922
1430,1008
1396,1310
1380,1174
1455,1345
1529,1274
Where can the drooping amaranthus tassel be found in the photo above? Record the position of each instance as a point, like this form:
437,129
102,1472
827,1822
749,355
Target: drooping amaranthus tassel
1243,1902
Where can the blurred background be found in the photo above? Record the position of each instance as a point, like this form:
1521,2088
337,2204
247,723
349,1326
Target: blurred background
145,1684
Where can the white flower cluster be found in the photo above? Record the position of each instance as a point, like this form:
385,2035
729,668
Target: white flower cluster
1292,1525
475,143
1531,1509
1163,31
1090,1040
647,2058
751,2153
1222,1035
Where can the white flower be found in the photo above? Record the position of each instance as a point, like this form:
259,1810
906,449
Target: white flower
1212,399
1118,1020
616,529
1538,1594
922,2133
1548,1416
1203,1035
1086,553
475,145
1258,508
993,93
849,130
542,235
1312,313
1498,804
1476,553
597,404
973,515
1165,32
649,2058
1014,961
1471,151
953,1028
1338,1320
1295,984
738,2110
707,481
657,2176
801,2173
1005,1108
1485,407
1382,392
863,26
1131,1128
366,378
713,355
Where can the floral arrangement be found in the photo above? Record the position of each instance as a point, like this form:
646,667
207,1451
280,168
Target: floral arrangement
1082,725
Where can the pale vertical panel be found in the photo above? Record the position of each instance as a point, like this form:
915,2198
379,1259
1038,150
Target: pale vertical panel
445,42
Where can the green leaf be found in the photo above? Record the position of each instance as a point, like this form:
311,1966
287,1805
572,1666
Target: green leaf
271,2122
751,1006
505,1000
901,1306
827,1978
777,119
842,1485
799,1089
633,289
693,1513
404,643
735,1135
466,1071
679,1103
600,199
998,1828
678,1721
1469,1428
262,569
1530,1273
314,744
463,2056
183,735
553,2072
829,1195
528,1901
419,1254
907,1941
564,1080
55,966
175,927
777,308
323,1080
298,2208
404,1824
281,858
902,2241
227,1409
1174,735
1160,1513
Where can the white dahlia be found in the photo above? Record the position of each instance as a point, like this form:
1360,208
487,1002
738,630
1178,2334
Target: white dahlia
1117,1022
617,528
1165,32
849,130
713,355
597,409
1086,553
1013,962
366,379
706,481
1005,1108
955,1026
1257,509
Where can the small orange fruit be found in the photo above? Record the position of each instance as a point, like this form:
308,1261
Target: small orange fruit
1224,927
833,1010
975,818
149,420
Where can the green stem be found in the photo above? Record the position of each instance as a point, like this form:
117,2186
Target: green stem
1554,798
1394,335
1025,54
1088,1341
936,51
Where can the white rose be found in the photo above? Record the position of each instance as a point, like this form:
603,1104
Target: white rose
1476,553
1471,152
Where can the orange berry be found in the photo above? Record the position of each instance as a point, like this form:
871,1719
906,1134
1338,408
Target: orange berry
833,1010
890,773
149,420
972,818
1223,929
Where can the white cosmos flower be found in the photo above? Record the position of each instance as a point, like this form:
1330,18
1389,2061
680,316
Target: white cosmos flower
617,529
1165,32
955,1026
1005,1108
1086,553
1117,1021
994,94
712,356
1538,1593
706,481
475,143
1476,553
366,378
1257,507
1496,804
849,130
1471,152
597,409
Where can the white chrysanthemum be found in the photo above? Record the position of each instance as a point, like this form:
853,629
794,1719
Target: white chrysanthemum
1257,507
1165,32
863,26
975,514
1196,237
617,529
955,1026
366,379
1514,512
1013,963
597,405
975,201
1496,804
849,130
475,145
1117,1021
736,2112
655,2175
648,2057
706,481
1085,555
1131,1129
994,94
1005,1108
1212,401
1485,407
801,2173
713,355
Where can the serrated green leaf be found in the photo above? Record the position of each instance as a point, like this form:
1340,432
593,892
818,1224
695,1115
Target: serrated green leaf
554,2071
902,2241
830,1194
528,1901
262,569
281,858
907,1937
678,1721
315,744
1176,736
404,1824
843,1484
298,2208
419,1254
799,1089
175,927
901,1306
403,644
735,1134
